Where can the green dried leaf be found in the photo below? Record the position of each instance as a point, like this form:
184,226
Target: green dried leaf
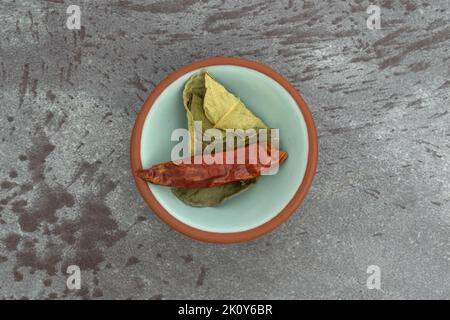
208,101
225,110
209,197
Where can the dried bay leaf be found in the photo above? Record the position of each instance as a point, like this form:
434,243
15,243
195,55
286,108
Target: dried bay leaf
206,100
225,110
210,197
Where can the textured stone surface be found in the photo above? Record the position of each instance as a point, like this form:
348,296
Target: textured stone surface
380,99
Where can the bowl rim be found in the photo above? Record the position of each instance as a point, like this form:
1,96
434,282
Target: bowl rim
233,237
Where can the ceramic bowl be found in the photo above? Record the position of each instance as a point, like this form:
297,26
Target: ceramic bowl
273,198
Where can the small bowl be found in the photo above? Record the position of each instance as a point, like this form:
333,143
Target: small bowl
272,199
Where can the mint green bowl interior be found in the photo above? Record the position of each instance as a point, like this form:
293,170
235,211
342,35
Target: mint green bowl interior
267,100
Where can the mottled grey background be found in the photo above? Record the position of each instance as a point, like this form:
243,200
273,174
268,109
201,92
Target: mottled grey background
380,99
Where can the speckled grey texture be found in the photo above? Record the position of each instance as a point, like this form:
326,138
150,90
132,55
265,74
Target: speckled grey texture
380,99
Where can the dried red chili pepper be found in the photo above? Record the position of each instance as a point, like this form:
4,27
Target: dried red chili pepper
198,172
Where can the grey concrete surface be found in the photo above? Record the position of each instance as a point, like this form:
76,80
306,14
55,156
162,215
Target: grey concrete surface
380,99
